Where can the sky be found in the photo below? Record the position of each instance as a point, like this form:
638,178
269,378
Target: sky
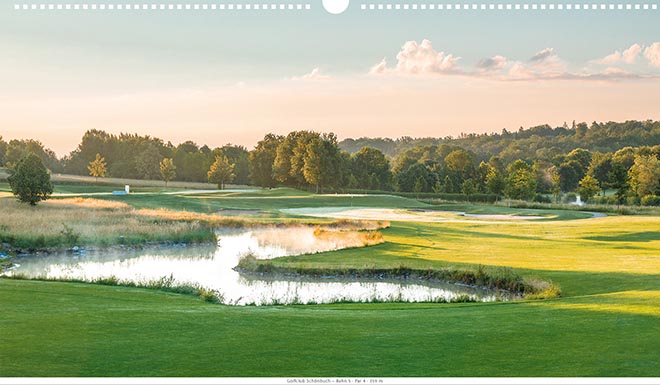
218,77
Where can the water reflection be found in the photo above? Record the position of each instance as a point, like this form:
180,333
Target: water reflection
212,268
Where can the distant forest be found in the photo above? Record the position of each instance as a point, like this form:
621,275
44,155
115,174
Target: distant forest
539,142
540,163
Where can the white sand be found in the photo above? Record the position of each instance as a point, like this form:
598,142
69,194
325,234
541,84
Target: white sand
400,215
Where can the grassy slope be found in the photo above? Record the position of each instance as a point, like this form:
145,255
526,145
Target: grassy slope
101,331
606,325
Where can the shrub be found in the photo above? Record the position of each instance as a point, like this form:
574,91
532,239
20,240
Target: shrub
651,200
70,237
570,197
540,198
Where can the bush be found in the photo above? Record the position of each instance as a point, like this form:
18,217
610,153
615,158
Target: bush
540,198
570,197
651,200
603,200
70,237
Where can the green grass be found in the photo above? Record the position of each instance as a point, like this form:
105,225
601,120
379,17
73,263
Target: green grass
260,200
605,324
115,331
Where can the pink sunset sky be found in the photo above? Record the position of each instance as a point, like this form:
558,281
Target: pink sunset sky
243,113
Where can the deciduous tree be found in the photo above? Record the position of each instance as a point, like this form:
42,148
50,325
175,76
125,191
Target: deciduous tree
221,172
98,168
589,186
30,181
167,170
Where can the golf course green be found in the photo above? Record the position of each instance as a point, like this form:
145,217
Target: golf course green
606,322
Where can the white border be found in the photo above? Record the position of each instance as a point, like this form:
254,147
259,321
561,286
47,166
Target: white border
508,7
265,6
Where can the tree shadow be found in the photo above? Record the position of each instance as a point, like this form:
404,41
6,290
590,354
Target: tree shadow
644,236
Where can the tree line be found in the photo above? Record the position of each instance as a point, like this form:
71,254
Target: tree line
317,162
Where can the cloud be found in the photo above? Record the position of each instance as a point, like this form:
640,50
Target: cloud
423,60
313,76
652,54
543,55
627,56
494,63
631,53
379,68
545,64
419,59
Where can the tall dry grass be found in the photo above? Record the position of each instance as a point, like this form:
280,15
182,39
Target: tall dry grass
86,221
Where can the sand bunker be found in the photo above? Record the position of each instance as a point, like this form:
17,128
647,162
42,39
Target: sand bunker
400,214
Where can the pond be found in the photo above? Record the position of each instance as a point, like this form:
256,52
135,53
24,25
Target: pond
211,267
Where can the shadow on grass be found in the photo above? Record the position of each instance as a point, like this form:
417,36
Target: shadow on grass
644,236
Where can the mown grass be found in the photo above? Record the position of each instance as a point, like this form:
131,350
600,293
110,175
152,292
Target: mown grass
116,331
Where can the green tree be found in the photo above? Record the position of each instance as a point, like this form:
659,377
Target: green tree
167,170
468,188
589,186
321,163
570,173
620,182
520,183
97,168
370,163
495,182
600,168
30,181
240,157
556,183
262,159
459,163
407,179
582,156
420,185
221,172
645,175
3,150
147,163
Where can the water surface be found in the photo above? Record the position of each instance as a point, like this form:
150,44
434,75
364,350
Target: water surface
211,267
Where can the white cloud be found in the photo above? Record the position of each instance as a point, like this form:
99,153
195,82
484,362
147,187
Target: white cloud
630,55
316,74
379,68
627,56
652,54
419,59
543,55
520,71
545,64
494,63
422,59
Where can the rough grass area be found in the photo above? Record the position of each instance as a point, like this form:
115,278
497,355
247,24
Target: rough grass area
86,221
166,284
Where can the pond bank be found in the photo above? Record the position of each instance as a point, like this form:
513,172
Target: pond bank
502,280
